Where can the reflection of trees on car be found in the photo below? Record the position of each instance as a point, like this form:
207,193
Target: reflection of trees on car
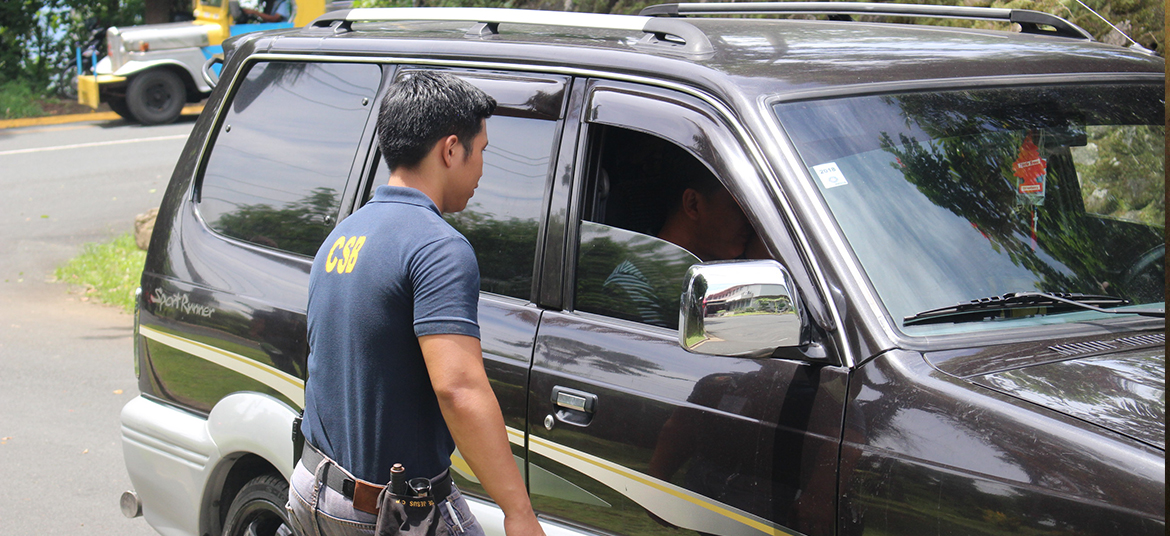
972,180
1100,388
966,168
299,226
631,276
267,75
1122,175
884,420
505,249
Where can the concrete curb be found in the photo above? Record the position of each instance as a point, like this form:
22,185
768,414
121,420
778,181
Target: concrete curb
77,118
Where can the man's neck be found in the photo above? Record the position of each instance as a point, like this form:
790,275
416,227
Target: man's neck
417,179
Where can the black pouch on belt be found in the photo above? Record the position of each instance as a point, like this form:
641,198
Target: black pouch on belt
409,514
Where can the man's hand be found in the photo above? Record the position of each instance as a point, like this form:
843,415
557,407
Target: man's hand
262,16
472,413
522,525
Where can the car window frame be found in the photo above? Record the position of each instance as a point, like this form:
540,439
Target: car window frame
348,191
724,154
371,160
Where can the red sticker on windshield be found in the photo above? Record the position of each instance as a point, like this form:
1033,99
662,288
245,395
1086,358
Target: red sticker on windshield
1030,171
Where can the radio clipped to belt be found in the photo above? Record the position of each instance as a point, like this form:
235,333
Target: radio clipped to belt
408,508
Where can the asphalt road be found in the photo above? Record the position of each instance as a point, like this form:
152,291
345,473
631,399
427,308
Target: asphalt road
66,365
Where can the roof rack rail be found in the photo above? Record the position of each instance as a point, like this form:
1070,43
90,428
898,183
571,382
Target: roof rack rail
1029,21
672,35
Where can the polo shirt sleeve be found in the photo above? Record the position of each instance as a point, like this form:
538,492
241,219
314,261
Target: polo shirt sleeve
445,275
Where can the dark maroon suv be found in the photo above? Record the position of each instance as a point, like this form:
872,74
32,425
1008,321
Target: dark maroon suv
934,303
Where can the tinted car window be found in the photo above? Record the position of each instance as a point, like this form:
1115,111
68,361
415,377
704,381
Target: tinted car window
284,150
502,218
633,254
1056,189
629,275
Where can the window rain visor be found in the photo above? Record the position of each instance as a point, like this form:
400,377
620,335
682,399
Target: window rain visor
953,196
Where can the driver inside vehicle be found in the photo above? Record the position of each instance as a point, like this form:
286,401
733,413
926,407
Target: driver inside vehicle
273,11
656,211
704,219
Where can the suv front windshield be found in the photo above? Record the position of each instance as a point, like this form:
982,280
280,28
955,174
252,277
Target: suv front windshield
952,196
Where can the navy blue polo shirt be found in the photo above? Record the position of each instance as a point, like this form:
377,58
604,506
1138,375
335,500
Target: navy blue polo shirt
388,274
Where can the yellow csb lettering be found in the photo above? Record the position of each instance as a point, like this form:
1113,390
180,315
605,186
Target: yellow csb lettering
331,262
357,247
343,261
346,253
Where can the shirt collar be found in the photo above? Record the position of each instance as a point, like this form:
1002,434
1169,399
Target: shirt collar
403,194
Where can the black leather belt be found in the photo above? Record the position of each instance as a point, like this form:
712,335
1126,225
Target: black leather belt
363,494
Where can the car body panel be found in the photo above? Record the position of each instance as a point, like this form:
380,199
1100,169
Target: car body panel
171,454
508,331
922,448
737,433
1123,391
864,431
248,324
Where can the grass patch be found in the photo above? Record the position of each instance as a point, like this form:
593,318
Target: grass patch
18,100
110,272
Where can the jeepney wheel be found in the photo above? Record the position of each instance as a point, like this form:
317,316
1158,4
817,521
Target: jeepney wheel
258,509
119,106
156,97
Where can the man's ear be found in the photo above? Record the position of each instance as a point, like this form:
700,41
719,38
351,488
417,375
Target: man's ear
448,150
691,198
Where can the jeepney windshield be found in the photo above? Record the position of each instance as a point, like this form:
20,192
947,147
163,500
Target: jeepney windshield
951,196
211,3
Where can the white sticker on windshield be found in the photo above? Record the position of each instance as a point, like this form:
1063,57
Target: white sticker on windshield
830,175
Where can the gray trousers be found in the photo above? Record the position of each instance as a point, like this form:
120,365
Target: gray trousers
318,510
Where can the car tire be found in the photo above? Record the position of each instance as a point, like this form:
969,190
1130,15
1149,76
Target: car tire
156,97
119,106
259,509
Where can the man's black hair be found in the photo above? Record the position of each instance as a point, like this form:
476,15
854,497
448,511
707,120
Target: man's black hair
425,107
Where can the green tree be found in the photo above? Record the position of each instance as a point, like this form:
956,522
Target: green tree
1143,20
38,38
1122,173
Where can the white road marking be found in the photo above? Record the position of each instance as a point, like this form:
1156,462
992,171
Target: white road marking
92,144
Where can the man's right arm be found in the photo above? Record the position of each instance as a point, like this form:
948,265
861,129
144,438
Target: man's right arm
455,365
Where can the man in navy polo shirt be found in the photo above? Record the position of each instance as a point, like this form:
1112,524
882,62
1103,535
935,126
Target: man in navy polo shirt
395,368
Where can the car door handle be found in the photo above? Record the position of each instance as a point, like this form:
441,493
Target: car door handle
582,402
573,406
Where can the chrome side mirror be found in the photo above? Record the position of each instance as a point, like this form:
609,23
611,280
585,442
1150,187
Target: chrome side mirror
740,308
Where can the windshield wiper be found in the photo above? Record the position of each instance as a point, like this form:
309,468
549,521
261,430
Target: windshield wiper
1064,301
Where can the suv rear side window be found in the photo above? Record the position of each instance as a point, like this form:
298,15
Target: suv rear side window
502,219
284,150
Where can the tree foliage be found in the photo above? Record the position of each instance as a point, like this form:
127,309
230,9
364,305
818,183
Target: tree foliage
38,38
1123,173
1118,173
299,226
1142,20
